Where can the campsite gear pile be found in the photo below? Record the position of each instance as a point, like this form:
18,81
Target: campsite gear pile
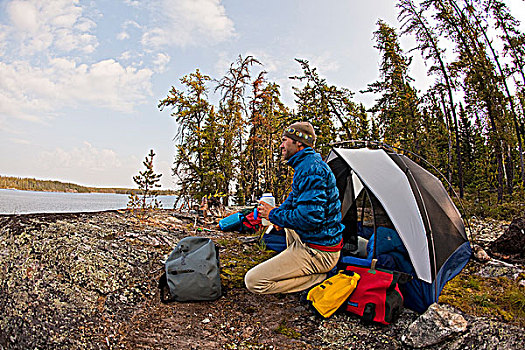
191,272
404,215
243,221
371,293
416,227
247,220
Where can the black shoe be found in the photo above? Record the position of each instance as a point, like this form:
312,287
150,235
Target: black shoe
303,295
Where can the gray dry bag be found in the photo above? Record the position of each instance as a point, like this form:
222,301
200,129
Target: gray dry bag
192,272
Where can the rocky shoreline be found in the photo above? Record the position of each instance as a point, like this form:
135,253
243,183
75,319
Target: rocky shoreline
89,281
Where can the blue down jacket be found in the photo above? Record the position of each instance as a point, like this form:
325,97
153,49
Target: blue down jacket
312,208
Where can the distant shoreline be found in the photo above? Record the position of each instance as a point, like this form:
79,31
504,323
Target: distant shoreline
13,201
102,190
31,184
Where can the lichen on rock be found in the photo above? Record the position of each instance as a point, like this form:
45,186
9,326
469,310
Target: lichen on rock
89,281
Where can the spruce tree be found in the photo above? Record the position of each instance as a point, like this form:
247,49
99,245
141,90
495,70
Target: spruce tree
262,168
414,22
233,114
330,109
192,112
146,181
397,108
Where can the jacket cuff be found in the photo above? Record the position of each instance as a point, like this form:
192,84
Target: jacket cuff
270,216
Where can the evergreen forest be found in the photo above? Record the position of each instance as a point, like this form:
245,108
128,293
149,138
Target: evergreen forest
469,124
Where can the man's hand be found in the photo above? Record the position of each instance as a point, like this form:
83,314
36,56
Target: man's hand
264,210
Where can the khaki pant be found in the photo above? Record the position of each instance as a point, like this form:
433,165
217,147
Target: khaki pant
296,268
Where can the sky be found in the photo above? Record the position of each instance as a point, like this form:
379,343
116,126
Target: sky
80,81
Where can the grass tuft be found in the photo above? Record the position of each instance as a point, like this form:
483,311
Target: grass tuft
237,258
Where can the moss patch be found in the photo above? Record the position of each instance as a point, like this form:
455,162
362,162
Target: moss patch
492,297
287,331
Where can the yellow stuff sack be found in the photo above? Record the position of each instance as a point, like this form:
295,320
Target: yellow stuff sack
328,296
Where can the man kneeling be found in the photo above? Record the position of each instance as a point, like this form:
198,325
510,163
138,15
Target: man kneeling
311,217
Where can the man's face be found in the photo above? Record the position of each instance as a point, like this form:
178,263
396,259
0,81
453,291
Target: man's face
289,147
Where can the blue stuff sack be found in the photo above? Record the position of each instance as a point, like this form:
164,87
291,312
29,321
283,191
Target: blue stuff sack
232,222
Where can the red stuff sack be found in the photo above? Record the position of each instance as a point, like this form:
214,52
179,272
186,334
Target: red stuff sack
377,296
249,223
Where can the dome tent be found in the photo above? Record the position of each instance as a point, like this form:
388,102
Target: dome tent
417,209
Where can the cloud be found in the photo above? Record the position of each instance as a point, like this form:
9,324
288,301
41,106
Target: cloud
106,83
89,165
125,56
190,22
129,23
160,62
122,36
46,64
37,25
27,91
223,62
86,158
20,141
17,82
132,3
37,79
23,15
3,36
324,62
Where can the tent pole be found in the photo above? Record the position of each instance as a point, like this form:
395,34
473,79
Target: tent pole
363,210
374,256
426,222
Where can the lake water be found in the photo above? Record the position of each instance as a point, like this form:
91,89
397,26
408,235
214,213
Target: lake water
25,202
